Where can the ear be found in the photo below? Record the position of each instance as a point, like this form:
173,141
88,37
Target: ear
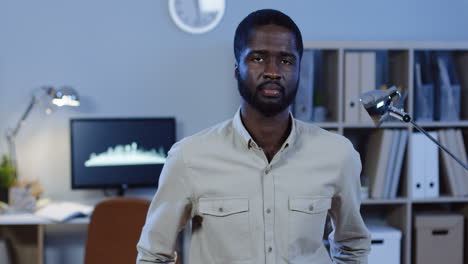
236,71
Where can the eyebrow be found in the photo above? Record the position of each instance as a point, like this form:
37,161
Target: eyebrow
263,52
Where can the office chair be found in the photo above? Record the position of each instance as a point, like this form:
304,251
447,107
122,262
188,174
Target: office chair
114,231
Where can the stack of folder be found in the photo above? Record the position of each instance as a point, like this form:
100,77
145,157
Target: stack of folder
437,87
384,160
454,176
364,71
304,104
360,77
385,156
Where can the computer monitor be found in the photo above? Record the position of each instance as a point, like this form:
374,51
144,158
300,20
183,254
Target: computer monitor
119,153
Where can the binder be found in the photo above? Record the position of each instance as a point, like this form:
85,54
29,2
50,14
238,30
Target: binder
398,163
461,153
367,82
351,87
303,106
395,135
424,87
431,172
381,69
460,173
447,163
461,63
417,164
376,161
448,92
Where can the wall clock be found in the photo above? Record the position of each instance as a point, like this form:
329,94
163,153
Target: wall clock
196,16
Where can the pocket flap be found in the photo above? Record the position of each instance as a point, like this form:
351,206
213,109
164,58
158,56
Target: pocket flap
309,205
223,206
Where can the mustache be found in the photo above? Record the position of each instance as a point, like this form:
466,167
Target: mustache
262,85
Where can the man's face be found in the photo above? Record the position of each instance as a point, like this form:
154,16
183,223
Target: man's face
268,69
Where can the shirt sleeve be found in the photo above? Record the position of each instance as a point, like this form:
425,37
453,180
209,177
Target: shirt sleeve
350,240
169,212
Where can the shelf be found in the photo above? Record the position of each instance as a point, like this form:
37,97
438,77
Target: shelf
387,45
441,199
439,124
451,124
385,201
371,125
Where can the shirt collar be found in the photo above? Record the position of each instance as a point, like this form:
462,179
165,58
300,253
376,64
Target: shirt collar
248,140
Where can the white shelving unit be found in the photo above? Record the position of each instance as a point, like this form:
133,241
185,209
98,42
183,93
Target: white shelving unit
397,212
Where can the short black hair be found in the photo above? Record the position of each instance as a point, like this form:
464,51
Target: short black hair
261,18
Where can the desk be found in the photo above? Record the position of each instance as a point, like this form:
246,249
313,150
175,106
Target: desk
25,234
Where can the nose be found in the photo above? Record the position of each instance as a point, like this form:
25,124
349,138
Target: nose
271,70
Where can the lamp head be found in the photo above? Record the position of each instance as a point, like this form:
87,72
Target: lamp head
64,96
378,103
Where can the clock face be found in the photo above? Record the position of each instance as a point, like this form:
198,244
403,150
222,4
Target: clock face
196,16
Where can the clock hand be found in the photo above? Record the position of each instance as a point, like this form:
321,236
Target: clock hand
197,11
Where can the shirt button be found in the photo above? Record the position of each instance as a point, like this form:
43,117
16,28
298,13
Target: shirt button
311,207
253,145
268,210
270,249
220,209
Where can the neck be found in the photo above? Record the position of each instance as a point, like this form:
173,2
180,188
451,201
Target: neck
269,132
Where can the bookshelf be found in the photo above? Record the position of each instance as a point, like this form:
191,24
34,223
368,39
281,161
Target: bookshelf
398,212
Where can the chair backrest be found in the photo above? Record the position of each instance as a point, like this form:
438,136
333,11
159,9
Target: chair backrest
114,230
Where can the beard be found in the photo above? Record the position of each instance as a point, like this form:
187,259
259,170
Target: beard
268,109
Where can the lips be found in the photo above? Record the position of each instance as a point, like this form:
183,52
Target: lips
270,92
270,89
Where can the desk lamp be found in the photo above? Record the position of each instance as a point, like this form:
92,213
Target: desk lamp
60,97
379,104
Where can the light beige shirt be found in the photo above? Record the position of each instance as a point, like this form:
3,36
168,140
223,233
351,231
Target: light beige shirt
253,211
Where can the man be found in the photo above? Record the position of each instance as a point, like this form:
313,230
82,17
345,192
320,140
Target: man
258,188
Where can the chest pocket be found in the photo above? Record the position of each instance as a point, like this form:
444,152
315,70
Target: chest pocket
223,206
306,225
226,227
309,206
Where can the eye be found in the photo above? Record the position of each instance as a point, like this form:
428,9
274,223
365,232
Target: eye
287,62
257,59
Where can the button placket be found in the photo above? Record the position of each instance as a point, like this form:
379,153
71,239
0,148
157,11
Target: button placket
268,203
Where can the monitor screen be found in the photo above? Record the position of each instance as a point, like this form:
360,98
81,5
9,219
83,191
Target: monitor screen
130,152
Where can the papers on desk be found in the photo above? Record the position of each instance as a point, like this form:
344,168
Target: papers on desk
63,211
22,219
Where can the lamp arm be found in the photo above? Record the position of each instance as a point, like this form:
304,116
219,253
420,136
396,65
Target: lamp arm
399,114
24,116
12,150
11,134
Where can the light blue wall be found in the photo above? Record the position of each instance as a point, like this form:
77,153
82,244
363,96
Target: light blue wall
127,58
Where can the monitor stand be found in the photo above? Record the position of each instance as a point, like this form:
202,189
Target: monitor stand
121,190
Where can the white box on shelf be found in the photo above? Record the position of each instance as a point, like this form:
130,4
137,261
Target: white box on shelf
386,244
